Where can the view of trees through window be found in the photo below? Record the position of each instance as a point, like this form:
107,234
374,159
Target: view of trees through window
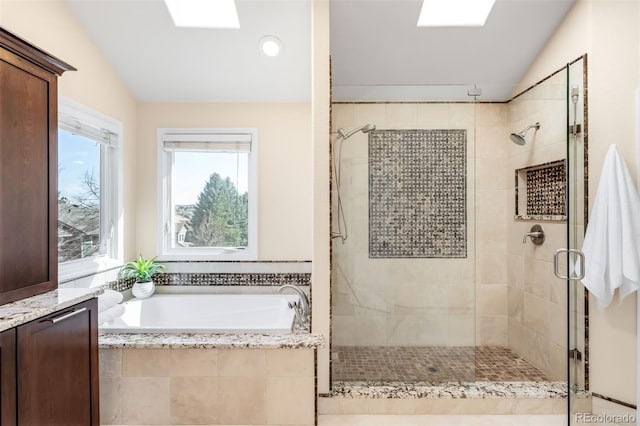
78,197
211,200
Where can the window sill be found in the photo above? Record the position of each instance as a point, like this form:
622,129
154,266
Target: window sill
85,267
208,255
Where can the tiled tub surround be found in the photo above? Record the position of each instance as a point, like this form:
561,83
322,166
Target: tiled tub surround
198,279
207,386
226,378
223,273
25,310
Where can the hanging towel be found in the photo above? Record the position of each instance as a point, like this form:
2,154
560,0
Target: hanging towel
110,314
108,299
611,244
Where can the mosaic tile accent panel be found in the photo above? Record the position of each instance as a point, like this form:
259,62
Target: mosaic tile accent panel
547,190
213,279
417,194
433,364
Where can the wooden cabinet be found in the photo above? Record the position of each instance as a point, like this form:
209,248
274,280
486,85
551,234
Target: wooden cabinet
28,168
8,377
50,369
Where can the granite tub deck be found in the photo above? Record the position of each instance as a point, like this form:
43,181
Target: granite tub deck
208,379
22,311
450,398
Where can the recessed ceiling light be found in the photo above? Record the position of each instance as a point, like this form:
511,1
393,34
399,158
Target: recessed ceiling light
203,13
454,13
270,46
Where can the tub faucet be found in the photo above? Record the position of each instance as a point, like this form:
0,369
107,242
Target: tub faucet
302,312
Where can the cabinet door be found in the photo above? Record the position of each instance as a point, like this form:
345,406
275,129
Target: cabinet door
28,167
8,377
58,368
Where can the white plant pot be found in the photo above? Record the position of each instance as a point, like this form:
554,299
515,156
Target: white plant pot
143,290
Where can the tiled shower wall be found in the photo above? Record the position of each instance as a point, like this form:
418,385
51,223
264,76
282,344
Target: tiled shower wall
537,300
424,301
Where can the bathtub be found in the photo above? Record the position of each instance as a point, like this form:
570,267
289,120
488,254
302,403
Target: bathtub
206,313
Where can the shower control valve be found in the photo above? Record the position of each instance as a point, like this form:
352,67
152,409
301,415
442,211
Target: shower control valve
536,234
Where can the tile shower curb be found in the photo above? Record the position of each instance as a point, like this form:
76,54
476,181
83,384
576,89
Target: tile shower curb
452,390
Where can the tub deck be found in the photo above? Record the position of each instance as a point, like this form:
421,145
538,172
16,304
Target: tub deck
297,340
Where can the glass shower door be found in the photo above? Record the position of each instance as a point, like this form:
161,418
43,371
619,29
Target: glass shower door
573,268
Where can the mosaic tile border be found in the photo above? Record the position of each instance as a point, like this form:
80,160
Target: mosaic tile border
418,193
215,279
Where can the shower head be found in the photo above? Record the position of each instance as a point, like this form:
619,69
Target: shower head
519,138
364,129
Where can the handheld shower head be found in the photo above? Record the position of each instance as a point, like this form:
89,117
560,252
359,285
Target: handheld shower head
368,128
519,138
364,129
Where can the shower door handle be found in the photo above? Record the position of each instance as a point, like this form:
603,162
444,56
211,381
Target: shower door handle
556,264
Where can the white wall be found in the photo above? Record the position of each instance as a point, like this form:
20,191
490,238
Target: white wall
321,126
50,25
608,31
284,175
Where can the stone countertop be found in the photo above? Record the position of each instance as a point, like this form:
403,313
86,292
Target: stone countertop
297,340
451,390
22,311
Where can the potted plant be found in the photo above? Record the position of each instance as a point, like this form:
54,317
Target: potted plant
143,271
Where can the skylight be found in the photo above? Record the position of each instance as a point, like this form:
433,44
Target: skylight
454,13
203,13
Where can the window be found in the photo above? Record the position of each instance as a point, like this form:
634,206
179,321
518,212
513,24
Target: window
208,187
89,230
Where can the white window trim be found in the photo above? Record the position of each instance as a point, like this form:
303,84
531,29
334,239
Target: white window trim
165,252
111,184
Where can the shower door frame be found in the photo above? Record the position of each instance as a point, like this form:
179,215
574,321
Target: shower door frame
574,242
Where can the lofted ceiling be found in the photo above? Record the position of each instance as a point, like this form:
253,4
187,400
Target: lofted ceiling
378,52
162,63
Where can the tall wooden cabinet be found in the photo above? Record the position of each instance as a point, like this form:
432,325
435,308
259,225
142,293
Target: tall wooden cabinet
48,366
28,168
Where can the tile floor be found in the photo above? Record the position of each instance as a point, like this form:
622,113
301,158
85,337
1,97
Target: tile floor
430,364
442,420
600,406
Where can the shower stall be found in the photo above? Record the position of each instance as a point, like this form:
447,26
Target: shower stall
438,273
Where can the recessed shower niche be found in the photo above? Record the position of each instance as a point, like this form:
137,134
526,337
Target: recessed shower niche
540,192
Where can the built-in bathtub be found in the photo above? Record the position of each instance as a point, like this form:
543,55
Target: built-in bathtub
206,313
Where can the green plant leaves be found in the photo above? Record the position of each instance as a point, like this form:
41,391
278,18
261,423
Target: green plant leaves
141,269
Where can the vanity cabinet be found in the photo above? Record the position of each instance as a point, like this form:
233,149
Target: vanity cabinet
8,377
28,168
50,369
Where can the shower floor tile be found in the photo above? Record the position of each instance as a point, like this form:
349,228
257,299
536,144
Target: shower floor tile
430,364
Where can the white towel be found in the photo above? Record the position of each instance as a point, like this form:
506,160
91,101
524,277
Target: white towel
108,299
611,244
110,314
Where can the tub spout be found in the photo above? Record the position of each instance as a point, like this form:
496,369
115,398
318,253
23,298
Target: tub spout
302,312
